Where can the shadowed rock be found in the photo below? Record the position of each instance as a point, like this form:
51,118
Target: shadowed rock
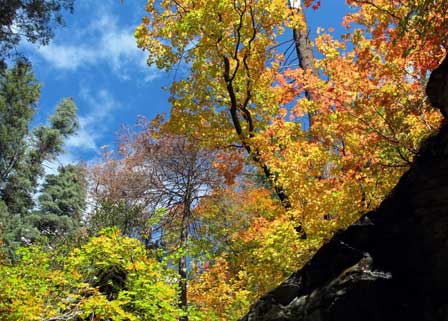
437,88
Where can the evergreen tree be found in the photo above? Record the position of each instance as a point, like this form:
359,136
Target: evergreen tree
19,93
46,144
23,153
31,20
62,201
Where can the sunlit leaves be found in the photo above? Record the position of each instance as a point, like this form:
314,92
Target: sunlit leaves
336,143
111,277
196,38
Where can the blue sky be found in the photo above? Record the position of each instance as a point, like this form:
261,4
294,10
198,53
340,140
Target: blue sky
94,59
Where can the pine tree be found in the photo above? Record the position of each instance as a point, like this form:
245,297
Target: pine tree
23,153
64,193
19,93
46,144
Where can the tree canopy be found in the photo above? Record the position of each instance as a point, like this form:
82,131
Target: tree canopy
275,141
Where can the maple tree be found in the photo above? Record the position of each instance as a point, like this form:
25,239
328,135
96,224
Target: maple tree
246,247
227,71
236,92
364,97
369,116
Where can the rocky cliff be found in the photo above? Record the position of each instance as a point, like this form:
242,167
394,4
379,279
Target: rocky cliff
393,263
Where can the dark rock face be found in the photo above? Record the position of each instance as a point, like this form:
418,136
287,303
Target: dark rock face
437,87
390,265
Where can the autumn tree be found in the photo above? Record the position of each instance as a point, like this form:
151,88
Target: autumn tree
370,78
161,172
230,70
182,174
369,117
364,94
118,201
247,246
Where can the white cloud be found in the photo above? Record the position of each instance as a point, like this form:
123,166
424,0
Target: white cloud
66,56
99,40
82,140
51,167
101,106
102,41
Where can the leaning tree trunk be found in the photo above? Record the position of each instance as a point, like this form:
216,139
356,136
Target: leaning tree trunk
390,265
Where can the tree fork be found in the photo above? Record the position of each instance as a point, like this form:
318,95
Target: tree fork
255,155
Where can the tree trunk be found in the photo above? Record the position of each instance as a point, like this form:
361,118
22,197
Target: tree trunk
182,269
186,216
304,52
